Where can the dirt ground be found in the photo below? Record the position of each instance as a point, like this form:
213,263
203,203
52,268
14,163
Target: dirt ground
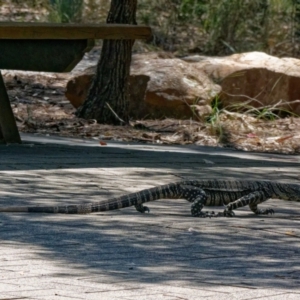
40,107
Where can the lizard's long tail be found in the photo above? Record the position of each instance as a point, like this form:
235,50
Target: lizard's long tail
161,192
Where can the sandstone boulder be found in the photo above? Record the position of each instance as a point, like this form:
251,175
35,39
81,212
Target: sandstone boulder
254,79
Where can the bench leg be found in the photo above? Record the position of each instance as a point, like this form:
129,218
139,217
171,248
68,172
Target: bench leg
8,126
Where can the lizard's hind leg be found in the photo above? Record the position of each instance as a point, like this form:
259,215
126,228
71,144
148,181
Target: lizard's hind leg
252,199
198,198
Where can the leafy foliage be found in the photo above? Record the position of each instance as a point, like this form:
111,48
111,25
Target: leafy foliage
66,11
192,8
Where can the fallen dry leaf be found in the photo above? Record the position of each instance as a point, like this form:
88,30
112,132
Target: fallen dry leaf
284,138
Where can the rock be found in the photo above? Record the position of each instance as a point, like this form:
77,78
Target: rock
173,86
77,87
164,86
254,79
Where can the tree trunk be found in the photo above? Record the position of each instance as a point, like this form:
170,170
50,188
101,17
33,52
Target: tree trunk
107,100
297,19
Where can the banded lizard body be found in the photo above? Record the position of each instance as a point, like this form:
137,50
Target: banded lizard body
233,194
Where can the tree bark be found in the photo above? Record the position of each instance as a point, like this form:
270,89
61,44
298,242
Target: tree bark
297,19
107,100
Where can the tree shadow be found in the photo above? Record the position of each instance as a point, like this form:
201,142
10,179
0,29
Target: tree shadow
161,247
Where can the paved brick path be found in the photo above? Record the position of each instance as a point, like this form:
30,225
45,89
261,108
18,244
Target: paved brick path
126,255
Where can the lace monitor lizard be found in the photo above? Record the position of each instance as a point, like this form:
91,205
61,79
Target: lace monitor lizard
233,194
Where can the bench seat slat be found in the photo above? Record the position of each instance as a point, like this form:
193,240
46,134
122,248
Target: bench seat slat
9,30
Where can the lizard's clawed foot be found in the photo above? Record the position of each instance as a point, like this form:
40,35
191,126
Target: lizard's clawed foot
266,211
146,209
205,214
226,213
141,208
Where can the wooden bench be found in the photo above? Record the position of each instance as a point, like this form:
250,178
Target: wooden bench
50,48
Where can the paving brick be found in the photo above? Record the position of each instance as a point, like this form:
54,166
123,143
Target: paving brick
122,254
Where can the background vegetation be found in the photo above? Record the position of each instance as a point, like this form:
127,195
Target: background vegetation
210,27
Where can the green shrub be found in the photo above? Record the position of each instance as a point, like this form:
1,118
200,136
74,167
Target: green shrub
66,11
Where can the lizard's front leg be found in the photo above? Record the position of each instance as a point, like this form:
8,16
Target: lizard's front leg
252,199
198,198
141,208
